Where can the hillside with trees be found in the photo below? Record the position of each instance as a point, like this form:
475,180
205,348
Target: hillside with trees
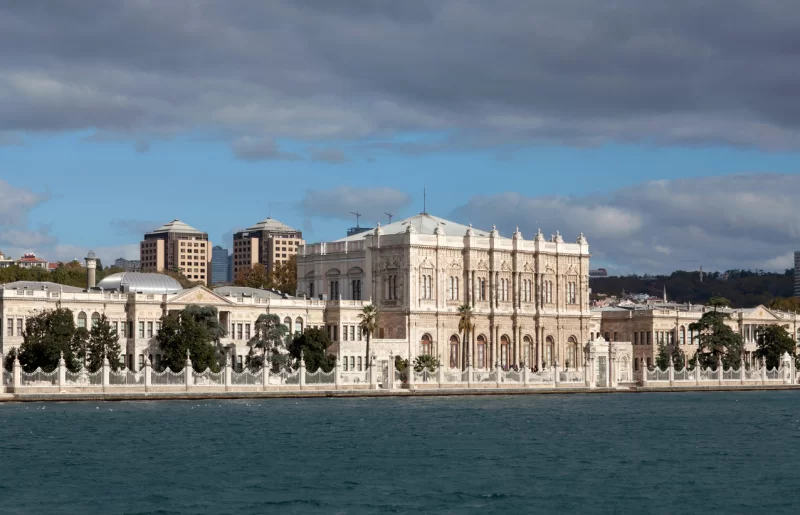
743,288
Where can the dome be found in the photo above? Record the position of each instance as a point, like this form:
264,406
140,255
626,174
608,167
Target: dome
133,282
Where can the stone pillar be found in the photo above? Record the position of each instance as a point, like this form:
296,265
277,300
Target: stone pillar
390,375
265,374
303,371
497,376
556,379
697,369
587,376
188,371
227,374
106,372
763,370
720,370
62,373
671,371
644,373
786,371
410,374
373,377
525,376
612,368
146,371
469,375
440,376
741,370
16,372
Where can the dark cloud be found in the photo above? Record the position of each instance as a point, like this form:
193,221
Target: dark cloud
739,221
260,149
341,202
575,72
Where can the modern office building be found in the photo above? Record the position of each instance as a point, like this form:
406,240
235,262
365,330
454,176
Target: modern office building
268,242
220,265
179,247
129,265
797,274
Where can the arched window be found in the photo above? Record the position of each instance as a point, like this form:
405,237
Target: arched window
572,353
344,364
454,288
454,363
482,288
527,348
353,363
549,351
288,323
95,319
425,345
505,355
360,363
298,325
480,360
682,336
82,320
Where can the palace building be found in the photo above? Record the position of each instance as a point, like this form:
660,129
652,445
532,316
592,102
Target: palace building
530,297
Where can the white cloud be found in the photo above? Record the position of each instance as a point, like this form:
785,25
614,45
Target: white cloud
746,221
341,201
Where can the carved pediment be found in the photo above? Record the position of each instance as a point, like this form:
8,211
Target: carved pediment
505,267
572,270
482,265
426,263
549,269
528,268
455,265
199,295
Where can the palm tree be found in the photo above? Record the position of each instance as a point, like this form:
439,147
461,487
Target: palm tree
269,334
369,323
466,323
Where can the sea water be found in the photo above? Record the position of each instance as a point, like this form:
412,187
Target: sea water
622,453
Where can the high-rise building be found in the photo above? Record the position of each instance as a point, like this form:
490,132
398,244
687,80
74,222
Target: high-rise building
220,265
179,247
129,265
269,242
797,273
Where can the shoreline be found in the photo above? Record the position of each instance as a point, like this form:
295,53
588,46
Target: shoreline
307,394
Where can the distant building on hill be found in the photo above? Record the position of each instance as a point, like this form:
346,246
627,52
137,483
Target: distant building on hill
5,261
129,265
797,273
220,265
30,261
600,272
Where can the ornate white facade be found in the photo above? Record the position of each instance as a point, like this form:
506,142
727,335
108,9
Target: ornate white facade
530,297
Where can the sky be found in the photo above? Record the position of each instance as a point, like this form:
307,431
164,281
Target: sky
667,132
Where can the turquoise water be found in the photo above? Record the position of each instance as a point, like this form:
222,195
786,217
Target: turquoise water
646,453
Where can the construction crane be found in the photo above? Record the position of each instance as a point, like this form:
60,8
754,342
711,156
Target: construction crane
358,217
389,215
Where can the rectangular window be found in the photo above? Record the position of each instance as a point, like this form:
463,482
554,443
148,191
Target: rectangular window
158,327
149,329
141,329
122,329
336,333
344,364
359,363
352,333
239,330
19,327
352,363
247,332
10,327
344,333
359,333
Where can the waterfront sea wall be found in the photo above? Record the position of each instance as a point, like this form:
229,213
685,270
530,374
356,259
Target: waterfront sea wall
380,380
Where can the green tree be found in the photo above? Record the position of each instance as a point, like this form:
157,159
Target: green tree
80,347
426,362
662,358
181,333
269,335
665,352
772,342
313,346
369,318
47,335
284,277
466,323
716,339
104,341
253,277
209,317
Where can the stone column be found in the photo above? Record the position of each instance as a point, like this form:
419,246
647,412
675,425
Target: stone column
106,373
556,379
146,371
644,373
612,367
62,373
303,371
373,377
188,371
390,375
440,375
497,376
720,370
697,369
337,375
410,374
265,374
525,376
741,370
763,370
469,375
786,372
227,373
17,373
671,371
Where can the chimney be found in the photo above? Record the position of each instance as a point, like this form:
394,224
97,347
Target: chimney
91,267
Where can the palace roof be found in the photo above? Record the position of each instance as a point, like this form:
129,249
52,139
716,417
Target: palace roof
125,282
176,226
422,223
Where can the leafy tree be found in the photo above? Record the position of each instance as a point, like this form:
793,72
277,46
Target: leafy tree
284,278
253,277
772,342
401,366
719,302
426,362
47,335
369,318
80,346
181,333
104,341
678,359
313,345
662,358
269,335
716,339
466,323
665,353
208,316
